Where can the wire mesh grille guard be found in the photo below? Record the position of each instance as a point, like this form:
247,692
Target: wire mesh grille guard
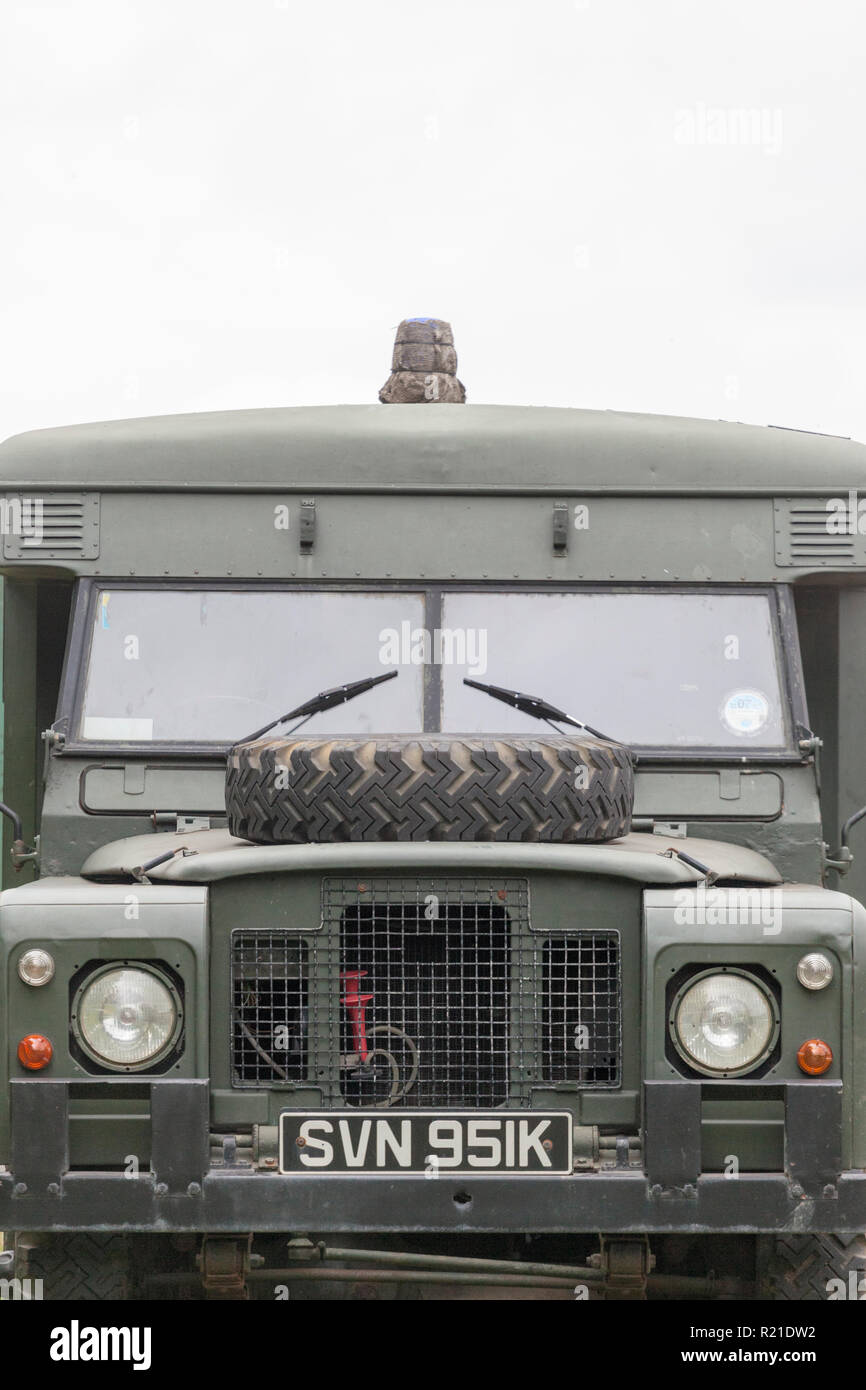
269,1008
426,992
581,1023
435,960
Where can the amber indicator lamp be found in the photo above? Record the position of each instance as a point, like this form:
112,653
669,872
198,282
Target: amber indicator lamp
814,1057
35,1051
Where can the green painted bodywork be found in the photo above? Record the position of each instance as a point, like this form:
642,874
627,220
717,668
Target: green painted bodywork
487,448
444,493
209,855
83,922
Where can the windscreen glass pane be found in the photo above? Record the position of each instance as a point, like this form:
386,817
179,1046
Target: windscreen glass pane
211,666
656,670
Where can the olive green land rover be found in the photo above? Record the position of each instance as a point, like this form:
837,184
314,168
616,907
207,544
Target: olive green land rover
425,836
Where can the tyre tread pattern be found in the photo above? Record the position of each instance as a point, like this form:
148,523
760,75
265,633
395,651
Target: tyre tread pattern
429,787
83,1267
799,1268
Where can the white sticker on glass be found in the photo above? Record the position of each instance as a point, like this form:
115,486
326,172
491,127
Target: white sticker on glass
117,730
745,712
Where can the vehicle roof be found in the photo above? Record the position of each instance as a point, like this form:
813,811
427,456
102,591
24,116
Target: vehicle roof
435,447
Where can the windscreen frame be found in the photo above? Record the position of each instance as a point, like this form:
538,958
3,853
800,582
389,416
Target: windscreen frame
783,626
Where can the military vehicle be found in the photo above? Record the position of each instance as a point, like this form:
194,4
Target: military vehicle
514,959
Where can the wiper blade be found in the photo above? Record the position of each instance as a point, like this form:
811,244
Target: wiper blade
538,708
326,699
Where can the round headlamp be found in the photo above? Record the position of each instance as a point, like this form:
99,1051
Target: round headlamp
126,1017
724,1024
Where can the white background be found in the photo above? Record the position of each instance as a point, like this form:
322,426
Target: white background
634,204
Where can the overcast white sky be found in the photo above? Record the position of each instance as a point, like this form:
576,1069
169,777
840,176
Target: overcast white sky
636,204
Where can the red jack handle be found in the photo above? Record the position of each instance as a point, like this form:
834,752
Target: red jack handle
356,1003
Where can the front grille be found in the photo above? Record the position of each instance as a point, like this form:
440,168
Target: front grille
432,993
581,1016
270,1029
435,966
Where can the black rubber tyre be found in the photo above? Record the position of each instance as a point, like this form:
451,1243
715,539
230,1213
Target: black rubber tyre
78,1268
429,787
813,1268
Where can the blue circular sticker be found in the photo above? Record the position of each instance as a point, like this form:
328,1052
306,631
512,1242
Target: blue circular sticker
745,712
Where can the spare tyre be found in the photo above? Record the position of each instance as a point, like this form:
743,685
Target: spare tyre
429,787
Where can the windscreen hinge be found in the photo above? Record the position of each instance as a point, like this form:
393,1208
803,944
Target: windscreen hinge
808,742
179,824
810,746
307,524
671,829
560,528
54,741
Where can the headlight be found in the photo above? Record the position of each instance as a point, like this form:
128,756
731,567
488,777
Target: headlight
126,1017
724,1023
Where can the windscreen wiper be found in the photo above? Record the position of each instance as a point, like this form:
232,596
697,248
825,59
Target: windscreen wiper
538,708
326,699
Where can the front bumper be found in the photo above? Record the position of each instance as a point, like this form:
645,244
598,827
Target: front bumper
185,1192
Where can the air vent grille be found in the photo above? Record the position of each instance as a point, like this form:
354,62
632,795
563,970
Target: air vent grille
50,526
819,532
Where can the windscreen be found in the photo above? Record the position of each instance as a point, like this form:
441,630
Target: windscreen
211,666
666,670
651,669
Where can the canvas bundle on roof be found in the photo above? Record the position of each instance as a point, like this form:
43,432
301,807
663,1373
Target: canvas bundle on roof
423,366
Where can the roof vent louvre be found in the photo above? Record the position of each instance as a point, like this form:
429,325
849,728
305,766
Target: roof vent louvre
810,534
54,526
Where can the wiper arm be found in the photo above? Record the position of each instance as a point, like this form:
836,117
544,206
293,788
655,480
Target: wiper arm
326,699
538,708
